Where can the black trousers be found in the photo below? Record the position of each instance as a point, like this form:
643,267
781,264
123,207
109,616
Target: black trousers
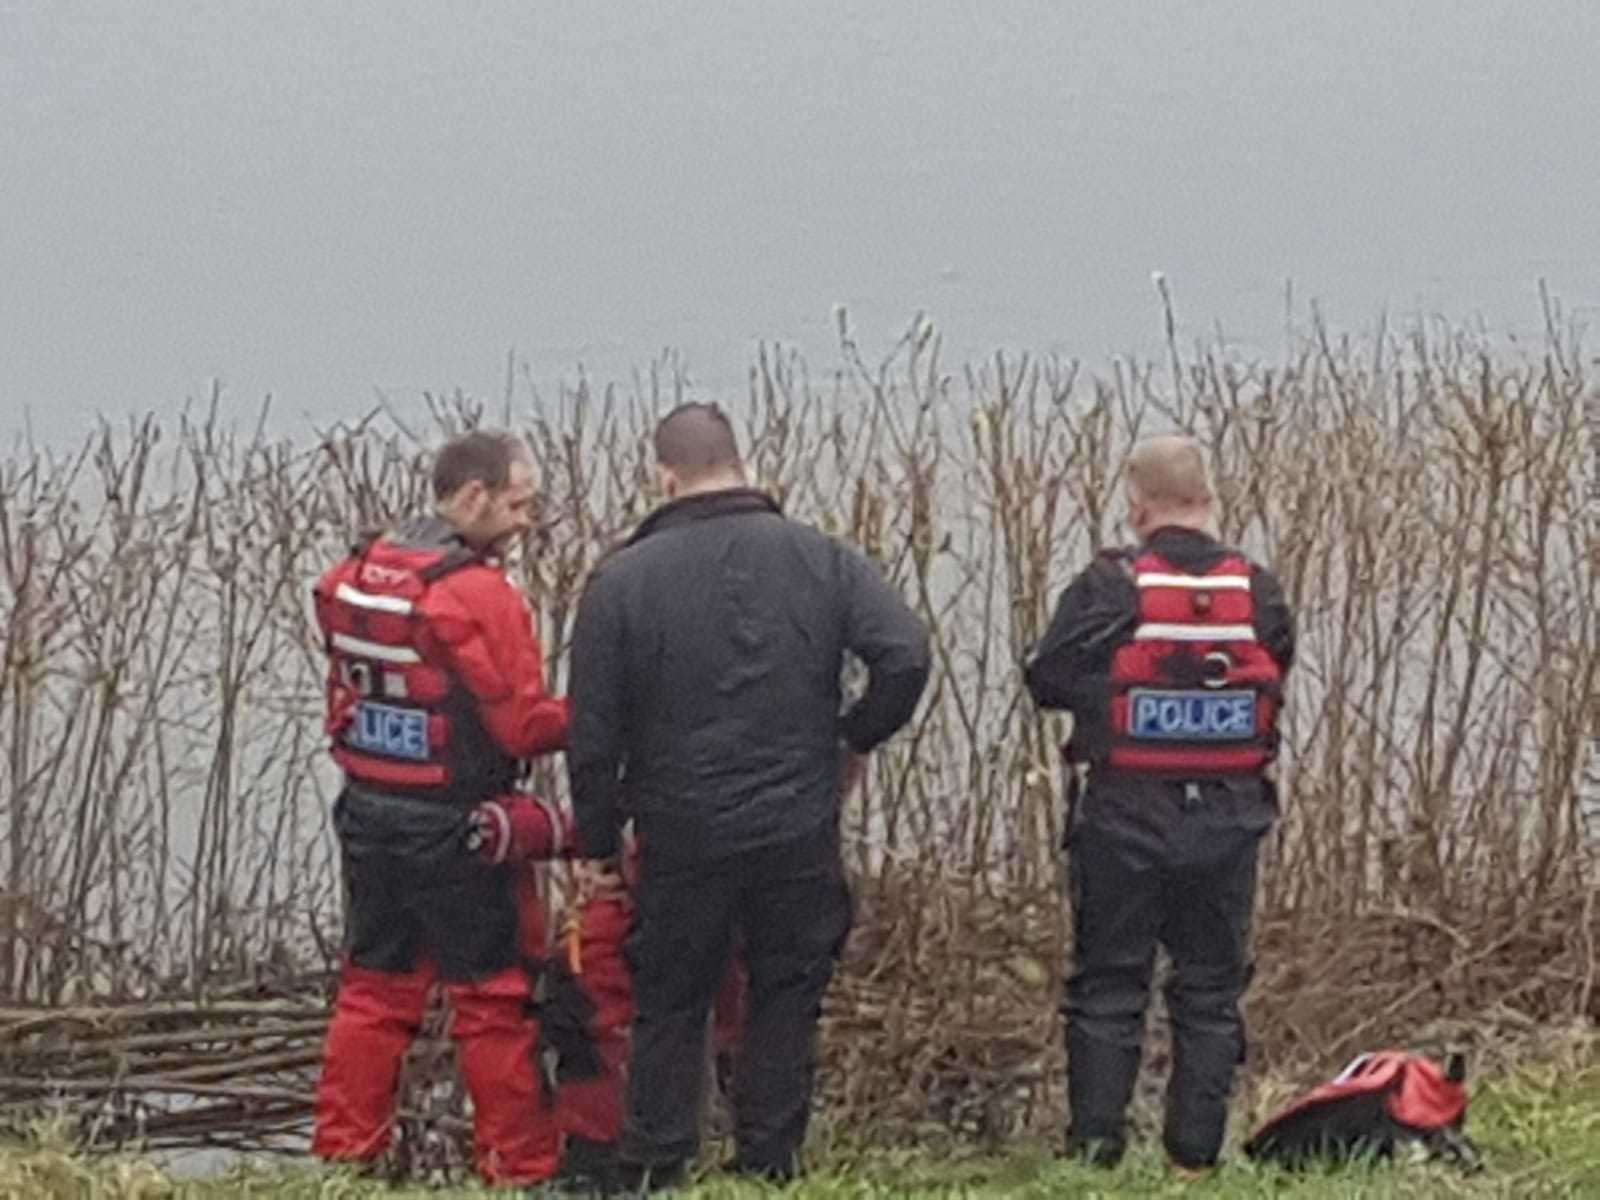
792,906
1155,862
412,890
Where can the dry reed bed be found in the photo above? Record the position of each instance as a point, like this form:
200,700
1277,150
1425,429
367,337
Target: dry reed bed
949,1031
1421,493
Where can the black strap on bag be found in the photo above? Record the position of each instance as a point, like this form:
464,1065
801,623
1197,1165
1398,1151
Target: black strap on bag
565,1012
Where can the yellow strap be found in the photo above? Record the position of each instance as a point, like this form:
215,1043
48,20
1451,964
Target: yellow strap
574,939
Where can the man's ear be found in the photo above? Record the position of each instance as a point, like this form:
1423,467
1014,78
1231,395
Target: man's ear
668,480
1135,519
468,503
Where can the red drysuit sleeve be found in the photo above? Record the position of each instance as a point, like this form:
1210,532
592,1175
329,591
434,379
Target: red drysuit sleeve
485,628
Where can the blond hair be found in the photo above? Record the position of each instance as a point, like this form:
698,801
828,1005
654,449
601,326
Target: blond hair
1169,472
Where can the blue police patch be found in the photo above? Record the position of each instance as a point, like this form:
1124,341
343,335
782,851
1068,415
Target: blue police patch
1191,716
390,731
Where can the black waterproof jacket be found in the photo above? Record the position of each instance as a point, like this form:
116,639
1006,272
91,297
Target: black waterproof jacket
706,679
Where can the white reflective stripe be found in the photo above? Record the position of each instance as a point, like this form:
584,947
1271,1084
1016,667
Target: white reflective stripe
388,604
1194,633
1354,1066
502,838
552,814
377,650
1239,583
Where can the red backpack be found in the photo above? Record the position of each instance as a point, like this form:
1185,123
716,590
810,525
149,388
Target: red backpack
1377,1103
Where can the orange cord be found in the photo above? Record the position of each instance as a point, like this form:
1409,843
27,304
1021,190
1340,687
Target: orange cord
574,940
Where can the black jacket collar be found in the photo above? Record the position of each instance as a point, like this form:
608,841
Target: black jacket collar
1185,548
430,531
727,503
1181,535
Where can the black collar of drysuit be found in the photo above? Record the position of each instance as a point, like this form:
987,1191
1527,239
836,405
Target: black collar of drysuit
1181,535
725,503
430,531
1184,546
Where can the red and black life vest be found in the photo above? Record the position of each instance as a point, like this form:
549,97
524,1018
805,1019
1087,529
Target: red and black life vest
399,721
1377,1102
1192,690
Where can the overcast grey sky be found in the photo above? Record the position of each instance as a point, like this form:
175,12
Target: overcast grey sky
316,198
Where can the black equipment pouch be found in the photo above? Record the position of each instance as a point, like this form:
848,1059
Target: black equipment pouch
565,1013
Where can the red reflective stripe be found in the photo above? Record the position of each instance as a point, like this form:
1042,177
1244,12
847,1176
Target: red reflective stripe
383,628
380,770
1152,563
1242,758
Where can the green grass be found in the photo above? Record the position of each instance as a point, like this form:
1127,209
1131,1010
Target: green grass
1539,1131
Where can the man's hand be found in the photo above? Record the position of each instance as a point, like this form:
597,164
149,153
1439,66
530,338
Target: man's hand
852,771
517,827
598,878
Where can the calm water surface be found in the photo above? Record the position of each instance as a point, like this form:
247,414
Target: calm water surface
324,201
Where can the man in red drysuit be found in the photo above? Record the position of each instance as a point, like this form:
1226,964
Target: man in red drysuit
435,696
592,1101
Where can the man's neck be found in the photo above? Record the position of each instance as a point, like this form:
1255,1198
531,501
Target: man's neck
1191,521
724,482
444,515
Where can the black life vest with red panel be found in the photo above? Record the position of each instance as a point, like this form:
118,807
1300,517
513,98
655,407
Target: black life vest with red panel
399,721
1192,691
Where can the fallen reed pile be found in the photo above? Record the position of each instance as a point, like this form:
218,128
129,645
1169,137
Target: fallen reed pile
166,1074
235,1070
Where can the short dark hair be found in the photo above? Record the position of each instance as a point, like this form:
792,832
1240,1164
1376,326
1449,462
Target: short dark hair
696,439
482,455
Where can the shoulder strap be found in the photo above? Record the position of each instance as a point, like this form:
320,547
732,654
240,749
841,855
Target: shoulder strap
451,560
1120,559
366,538
1146,559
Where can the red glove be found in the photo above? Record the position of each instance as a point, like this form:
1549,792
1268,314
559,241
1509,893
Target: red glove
517,827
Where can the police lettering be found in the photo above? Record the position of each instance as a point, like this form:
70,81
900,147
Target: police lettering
397,732
1193,715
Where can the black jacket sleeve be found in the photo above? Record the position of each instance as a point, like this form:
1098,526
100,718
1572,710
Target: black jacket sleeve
1275,627
883,631
595,742
1071,663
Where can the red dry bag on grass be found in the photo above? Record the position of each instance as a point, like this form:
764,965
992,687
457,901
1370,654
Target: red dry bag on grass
1379,1102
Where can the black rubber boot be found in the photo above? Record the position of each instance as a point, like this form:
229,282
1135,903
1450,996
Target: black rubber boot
588,1168
1100,1079
637,1179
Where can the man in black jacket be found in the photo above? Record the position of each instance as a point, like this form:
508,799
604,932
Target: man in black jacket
706,665
1171,659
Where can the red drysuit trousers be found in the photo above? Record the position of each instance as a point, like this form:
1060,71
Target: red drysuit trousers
594,1109
376,1017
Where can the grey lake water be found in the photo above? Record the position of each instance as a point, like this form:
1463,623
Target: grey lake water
326,202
